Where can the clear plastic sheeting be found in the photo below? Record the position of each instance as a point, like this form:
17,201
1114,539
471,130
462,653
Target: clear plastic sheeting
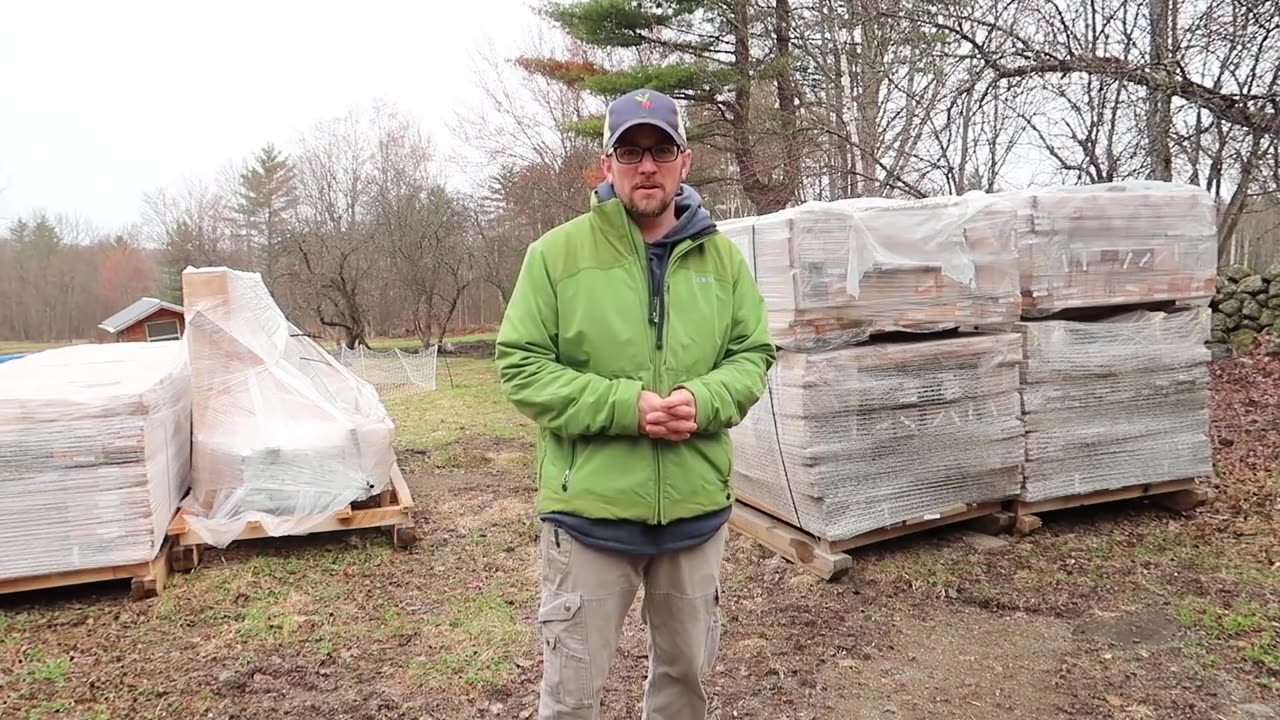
855,439
1114,403
95,454
1119,243
833,273
283,434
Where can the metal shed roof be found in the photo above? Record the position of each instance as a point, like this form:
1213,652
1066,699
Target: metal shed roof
135,312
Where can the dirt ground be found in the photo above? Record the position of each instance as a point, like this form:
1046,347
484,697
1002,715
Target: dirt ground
1122,611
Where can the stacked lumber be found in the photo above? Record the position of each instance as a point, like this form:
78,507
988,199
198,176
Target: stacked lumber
850,440
1114,403
284,436
94,456
835,273
1123,243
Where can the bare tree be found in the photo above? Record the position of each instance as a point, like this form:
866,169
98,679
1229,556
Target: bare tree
333,240
192,228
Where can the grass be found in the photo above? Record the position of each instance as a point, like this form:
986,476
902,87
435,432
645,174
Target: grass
42,669
1246,628
451,616
13,347
467,404
49,707
473,641
1179,548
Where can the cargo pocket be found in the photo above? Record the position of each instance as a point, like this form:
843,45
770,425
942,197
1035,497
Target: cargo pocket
566,668
711,645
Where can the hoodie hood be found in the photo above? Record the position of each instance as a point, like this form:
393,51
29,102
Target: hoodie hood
692,219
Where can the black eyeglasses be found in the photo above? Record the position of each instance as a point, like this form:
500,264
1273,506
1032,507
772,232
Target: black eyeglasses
632,155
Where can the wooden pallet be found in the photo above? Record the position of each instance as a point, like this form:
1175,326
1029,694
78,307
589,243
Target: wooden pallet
1115,287
1178,495
393,508
146,578
828,559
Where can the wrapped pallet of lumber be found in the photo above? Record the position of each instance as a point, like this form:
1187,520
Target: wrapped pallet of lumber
1121,243
282,434
95,456
1114,403
834,273
855,439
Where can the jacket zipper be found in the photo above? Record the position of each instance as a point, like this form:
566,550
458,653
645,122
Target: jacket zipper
660,329
573,457
657,325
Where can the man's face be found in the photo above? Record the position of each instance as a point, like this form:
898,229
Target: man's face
648,187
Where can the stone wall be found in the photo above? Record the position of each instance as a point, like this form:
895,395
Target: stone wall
1246,306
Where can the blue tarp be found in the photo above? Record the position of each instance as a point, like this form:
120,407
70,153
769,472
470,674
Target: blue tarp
7,358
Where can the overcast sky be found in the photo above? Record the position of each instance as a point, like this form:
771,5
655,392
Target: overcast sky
105,100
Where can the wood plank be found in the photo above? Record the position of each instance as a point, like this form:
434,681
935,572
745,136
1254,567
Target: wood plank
345,518
87,575
372,517
994,524
790,543
1026,524
1183,500
1023,507
152,584
403,496
179,524
953,515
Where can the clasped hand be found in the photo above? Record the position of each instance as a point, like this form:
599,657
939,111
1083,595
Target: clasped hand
669,418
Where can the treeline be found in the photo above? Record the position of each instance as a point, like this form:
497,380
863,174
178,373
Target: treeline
818,99
59,278
355,235
362,229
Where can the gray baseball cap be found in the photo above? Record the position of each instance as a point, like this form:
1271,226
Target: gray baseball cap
643,107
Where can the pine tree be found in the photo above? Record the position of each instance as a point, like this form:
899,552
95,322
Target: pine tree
717,64
266,198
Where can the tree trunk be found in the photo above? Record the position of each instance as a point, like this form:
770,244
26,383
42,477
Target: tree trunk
788,104
1231,217
870,76
1160,107
453,306
840,180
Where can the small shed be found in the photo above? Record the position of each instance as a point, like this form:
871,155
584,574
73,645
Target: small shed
147,320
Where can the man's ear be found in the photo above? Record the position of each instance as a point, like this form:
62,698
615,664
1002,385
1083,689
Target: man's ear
606,167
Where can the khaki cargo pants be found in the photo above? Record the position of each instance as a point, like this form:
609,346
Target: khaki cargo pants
586,594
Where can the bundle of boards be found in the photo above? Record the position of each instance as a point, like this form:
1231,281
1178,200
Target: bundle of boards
243,428
946,354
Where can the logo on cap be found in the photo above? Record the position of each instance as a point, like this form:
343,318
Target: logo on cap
644,101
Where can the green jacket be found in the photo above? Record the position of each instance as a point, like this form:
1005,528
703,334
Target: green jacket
577,345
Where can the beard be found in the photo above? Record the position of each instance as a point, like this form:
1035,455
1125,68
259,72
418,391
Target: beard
647,208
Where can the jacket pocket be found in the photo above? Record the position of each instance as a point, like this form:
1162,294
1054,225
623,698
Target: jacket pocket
716,450
566,667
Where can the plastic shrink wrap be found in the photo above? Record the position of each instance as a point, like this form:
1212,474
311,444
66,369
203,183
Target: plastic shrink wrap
283,434
1113,403
854,439
833,273
1117,243
95,452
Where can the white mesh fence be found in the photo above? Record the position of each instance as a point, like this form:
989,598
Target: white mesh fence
393,373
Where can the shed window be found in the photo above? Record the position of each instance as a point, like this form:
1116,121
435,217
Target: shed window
162,330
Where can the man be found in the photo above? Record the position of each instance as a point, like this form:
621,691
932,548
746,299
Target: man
635,337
